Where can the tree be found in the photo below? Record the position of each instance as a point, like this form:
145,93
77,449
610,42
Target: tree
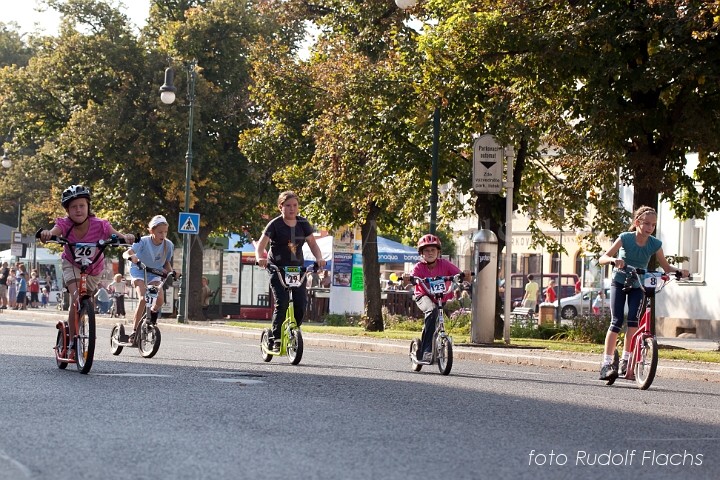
614,86
344,128
86,110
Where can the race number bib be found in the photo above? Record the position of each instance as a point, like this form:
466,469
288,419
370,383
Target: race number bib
437,286
651,280
293,276
84,253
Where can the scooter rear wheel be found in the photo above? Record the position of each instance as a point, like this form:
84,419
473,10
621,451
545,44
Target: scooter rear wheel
414,349
117,332
266,356
59,346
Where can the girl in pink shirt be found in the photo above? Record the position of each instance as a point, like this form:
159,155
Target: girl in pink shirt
430,265
80,225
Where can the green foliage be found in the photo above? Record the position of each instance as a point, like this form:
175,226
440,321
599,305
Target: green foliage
544,332
586,329
341,320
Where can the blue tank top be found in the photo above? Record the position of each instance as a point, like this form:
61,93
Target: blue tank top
635,255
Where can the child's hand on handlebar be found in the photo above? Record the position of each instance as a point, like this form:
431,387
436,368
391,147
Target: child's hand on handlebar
45,235
129,238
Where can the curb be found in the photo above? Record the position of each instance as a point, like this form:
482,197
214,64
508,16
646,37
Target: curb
699,371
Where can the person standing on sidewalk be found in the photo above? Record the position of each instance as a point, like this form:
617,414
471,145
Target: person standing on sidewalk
531,293
4,273
635,248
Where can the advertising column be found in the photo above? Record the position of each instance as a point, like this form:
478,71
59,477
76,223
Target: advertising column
346,290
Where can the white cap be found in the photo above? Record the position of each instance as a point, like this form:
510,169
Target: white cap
157,220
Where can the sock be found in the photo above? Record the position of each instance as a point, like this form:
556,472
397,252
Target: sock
607,359
626,356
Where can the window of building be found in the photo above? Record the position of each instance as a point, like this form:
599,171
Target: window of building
692,246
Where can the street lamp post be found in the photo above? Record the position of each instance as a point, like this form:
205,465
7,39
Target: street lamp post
404,5
167,96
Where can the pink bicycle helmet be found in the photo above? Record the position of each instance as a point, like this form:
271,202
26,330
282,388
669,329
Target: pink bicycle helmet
428,240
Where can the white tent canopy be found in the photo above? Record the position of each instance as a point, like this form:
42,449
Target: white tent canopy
42,255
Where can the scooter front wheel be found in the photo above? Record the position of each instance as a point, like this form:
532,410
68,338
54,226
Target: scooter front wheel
149,341
444,354
646,366
414,349
85,347
295,346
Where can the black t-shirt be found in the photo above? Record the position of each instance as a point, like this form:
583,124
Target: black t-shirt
5,272
286,242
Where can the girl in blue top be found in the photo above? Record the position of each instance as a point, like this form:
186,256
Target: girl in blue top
635,248
154,251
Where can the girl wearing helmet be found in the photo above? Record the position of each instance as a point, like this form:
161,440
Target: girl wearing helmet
155,251
430,265
80,225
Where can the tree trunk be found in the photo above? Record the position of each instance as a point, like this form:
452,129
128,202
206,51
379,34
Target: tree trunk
195,271
371,273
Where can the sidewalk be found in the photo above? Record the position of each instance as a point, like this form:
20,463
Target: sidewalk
494,354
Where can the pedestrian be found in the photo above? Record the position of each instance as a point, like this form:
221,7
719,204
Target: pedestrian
80,224
205,295
430,265
34,289
635,248
531,293
599,303
103,299
550,295
44,297
4,273
21,291
118,290
285,235
12,288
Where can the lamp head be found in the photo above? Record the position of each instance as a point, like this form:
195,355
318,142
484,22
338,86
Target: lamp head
405,4
167,91
6,162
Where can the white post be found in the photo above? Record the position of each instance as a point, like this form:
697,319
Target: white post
510,155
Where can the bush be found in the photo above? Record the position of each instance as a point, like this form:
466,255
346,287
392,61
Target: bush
459,321
341,320
587,329
543,332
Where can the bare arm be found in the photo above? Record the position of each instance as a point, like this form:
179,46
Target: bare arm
609,257
261,251
660,255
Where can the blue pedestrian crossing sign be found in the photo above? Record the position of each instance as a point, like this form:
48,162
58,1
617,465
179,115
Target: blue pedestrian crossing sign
189,223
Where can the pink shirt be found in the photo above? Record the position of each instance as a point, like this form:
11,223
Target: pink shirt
442,268
98,230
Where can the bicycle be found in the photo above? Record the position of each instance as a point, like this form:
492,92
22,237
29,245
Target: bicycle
442,351
643,361
148,336
83,342
113,305
291,341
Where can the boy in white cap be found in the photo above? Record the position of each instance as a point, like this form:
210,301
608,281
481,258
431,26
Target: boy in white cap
154,251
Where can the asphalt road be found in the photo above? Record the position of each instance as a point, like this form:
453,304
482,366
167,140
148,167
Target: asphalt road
207,407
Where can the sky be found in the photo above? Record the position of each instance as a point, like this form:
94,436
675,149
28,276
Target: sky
25,14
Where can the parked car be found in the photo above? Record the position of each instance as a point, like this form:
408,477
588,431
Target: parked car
581,303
